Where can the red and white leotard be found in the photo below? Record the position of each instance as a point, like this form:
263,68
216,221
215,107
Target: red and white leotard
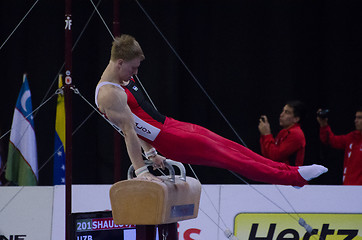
190,143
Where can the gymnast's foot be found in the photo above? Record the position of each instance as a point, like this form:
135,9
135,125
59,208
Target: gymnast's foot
311,171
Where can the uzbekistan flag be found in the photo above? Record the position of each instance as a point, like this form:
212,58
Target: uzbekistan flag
59,140
22,162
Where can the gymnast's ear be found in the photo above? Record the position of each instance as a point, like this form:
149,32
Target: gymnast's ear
120,62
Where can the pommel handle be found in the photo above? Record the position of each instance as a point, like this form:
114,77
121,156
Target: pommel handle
169,164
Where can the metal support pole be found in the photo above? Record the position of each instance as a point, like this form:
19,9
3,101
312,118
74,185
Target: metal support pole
168,231
165,232
145,232
68,118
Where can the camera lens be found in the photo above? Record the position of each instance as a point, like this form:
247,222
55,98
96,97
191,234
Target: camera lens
323,113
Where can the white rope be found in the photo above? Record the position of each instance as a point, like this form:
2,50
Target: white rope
213,103
203,90
73,133
17,26
207,195
177,55
278,206
11,199
144,90
226,231
100,16
30,114
55,78
191,74
76,91
36,109
74,46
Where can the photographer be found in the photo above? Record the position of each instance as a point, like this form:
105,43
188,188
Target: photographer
351,143
289,145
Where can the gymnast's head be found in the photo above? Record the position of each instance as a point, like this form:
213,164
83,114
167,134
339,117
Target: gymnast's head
126,48
126,57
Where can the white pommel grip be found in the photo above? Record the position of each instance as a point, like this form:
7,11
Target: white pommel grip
141,171
151,153
229,234
307,227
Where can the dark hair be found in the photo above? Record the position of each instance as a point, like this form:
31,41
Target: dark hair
299,109
359,109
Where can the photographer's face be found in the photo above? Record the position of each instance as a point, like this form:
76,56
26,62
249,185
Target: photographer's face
358,121
287,118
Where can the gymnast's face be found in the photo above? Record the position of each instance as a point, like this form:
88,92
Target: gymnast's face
287,118
128,68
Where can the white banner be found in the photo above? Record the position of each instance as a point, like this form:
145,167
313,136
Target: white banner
251,212
26,213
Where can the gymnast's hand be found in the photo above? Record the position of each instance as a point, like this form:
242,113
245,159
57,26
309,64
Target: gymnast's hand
149,177
158,162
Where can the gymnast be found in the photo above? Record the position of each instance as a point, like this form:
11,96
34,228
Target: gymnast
120,100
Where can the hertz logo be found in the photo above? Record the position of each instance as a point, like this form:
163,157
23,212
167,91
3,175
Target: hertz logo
279,226
291,233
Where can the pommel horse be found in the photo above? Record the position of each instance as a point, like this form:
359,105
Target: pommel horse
149,204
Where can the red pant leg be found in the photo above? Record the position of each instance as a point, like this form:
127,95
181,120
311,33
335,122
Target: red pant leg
190,143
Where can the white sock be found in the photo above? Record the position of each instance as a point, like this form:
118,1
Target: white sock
312,171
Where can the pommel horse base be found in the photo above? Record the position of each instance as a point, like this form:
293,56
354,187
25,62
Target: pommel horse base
148,204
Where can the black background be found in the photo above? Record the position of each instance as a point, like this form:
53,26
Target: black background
251,56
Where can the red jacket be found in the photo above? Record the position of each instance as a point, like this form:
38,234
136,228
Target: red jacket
288,147
352,145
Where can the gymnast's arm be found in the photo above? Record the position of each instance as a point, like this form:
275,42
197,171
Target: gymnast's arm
113,102
158,160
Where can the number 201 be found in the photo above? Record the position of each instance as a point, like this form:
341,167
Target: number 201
83,226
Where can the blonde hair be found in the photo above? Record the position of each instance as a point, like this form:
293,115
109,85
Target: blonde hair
127,48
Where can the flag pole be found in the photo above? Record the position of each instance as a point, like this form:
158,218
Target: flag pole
68,118
117,137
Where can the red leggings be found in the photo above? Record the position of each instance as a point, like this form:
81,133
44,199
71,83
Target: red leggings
190,143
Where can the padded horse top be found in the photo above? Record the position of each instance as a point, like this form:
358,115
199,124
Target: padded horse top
142,202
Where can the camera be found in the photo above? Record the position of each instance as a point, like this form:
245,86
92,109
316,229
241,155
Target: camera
323,113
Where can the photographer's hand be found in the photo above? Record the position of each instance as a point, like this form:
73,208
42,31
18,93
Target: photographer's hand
264,126
322,121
